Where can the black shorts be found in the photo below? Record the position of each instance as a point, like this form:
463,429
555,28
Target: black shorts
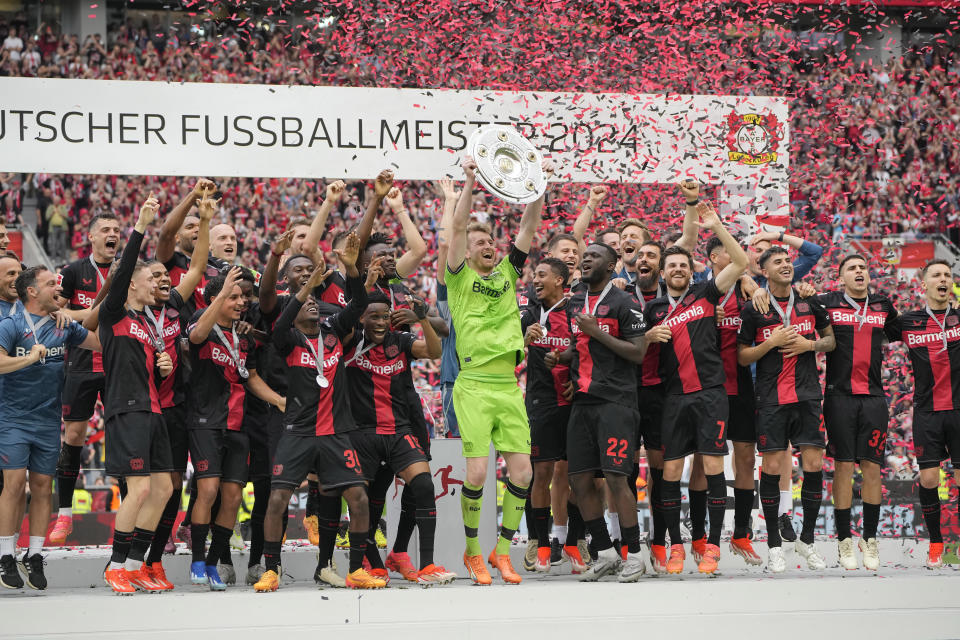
333,457
798,423
176,420
548,433
397,451
79,396
695,423
220,453
137,444
418,422
263,445
856,427
601,437
650,405
936,436
741,419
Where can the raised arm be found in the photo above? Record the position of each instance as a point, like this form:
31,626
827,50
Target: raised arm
416,247
117,297
205,323
532,214
344,321
597,193
430,346
691,229
381,187
268,281
334,190
457,251
167,243
729,275
450,195
201,251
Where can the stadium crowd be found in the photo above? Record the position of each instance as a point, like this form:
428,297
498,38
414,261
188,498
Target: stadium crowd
871,151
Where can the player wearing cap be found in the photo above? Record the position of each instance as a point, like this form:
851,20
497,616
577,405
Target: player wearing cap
489,404
80,282
32,350
695,409
318,422
783,343
932,335
223,370
854,404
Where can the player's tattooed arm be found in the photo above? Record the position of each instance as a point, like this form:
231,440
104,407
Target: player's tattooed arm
781,336
825,343
198,260
204,324
167,242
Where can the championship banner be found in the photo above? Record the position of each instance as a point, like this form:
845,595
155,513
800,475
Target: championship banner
156,128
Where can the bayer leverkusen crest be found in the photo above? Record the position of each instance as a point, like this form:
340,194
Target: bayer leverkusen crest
753,138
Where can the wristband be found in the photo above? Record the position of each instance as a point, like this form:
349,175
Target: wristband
276,255
780,238
694,203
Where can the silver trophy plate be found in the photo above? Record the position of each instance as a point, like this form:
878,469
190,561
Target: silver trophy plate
508,165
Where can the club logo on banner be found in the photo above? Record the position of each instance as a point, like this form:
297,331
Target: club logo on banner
752,138
243,130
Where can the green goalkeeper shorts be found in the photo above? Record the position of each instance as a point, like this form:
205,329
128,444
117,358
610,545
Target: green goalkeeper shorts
491,412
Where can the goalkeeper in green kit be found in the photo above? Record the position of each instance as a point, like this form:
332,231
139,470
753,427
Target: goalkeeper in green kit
481,293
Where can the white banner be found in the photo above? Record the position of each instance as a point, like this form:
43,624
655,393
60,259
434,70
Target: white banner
157,128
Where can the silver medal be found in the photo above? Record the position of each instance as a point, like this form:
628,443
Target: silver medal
242,372
322,382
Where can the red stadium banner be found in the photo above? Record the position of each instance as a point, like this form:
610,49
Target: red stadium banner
906,255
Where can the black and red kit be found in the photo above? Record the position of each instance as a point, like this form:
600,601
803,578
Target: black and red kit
80,282
313,410
375,374
597,372
853,368
690,360
217,391
545,385
783,380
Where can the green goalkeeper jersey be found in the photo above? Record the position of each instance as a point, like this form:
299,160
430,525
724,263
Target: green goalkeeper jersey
485,313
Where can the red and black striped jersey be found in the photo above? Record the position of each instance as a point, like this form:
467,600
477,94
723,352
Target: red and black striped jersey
167,320
129,348
217,391
783,380
312,409
598,374
737,380
853,368
178,265
377,384
80,282
649,371
690,360
545,385
936,366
